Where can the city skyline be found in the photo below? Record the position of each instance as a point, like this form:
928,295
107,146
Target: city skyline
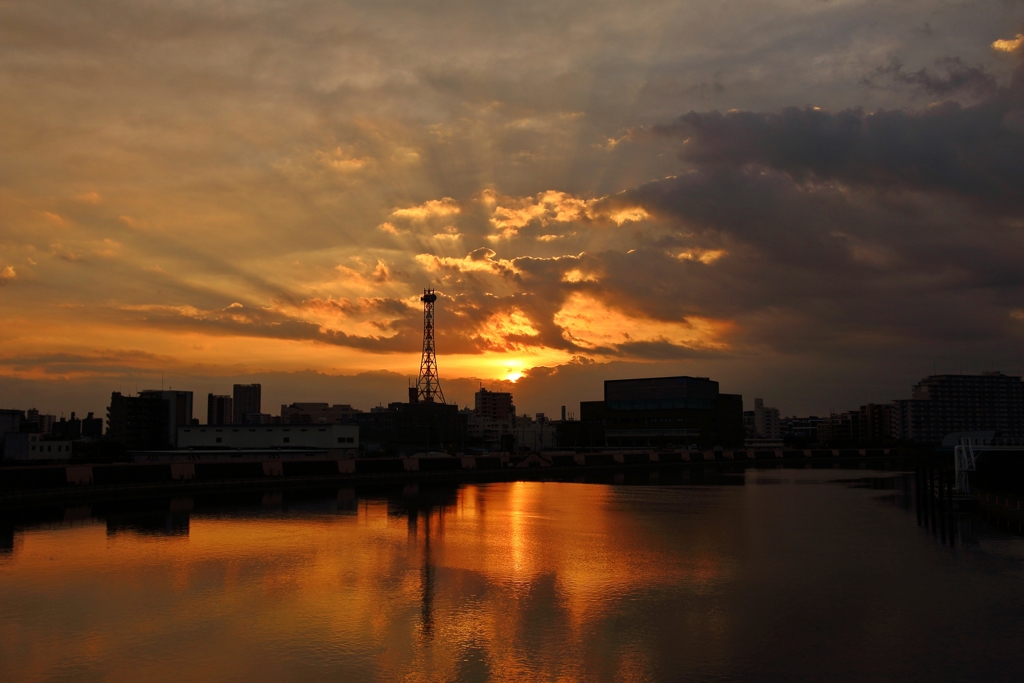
814,203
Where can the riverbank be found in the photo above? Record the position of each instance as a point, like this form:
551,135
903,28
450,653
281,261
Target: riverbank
27,484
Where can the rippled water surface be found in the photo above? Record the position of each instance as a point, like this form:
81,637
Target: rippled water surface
767,575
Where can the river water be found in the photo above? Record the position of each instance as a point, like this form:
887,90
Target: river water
787,575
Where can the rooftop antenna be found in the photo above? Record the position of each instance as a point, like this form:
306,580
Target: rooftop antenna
428,384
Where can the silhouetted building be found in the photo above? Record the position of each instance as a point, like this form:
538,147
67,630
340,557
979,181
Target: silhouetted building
247,398
943,404
334,437
34,446
494,405
67,429
766,421
490,425
317,413
800,432
10,421
658,412
219,410
149,420
749,424
92,427
839,429
42,424
533,434
262,419
876,424
408,428
488,434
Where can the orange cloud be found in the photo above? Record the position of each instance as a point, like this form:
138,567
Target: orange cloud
500,326
7,274
478,261
338,160
1011,45
380,274
53,218
593,324
365,316
187,311
133,223
512,214
577,275
430,209
706,256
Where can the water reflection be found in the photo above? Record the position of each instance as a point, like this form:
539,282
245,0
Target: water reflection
757,576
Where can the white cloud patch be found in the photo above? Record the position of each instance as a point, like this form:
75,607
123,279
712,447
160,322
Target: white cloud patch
433,208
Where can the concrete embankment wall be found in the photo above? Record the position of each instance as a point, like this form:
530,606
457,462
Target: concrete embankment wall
16,482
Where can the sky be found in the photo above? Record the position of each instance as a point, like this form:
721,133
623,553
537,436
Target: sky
815,202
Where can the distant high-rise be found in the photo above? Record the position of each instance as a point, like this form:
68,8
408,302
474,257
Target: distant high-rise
247,401
149,420
766,421
943,404
219,410
494,405
10,421
42,424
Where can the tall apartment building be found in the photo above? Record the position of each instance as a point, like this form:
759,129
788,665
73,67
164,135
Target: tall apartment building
246,400
800,431
43,424
219,410
149,420
10,422
943,404
766,421
876,424
494,405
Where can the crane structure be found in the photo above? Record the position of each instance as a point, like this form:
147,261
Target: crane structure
428,385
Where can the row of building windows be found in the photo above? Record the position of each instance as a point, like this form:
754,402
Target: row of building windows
203,431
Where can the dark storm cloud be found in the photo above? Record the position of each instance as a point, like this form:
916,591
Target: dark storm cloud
975,152
843,259
952,76
845,231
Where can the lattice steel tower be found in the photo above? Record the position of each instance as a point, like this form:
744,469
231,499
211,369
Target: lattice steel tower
429,384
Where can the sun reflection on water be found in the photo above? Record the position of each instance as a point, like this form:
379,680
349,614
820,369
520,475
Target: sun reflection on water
500,582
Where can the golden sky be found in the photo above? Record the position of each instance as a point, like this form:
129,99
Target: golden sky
808,201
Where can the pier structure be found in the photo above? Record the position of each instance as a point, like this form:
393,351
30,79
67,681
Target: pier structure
965,457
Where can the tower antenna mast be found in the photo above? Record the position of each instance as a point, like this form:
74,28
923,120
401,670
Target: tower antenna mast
429,384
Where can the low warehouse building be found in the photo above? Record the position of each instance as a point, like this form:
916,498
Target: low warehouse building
249,437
